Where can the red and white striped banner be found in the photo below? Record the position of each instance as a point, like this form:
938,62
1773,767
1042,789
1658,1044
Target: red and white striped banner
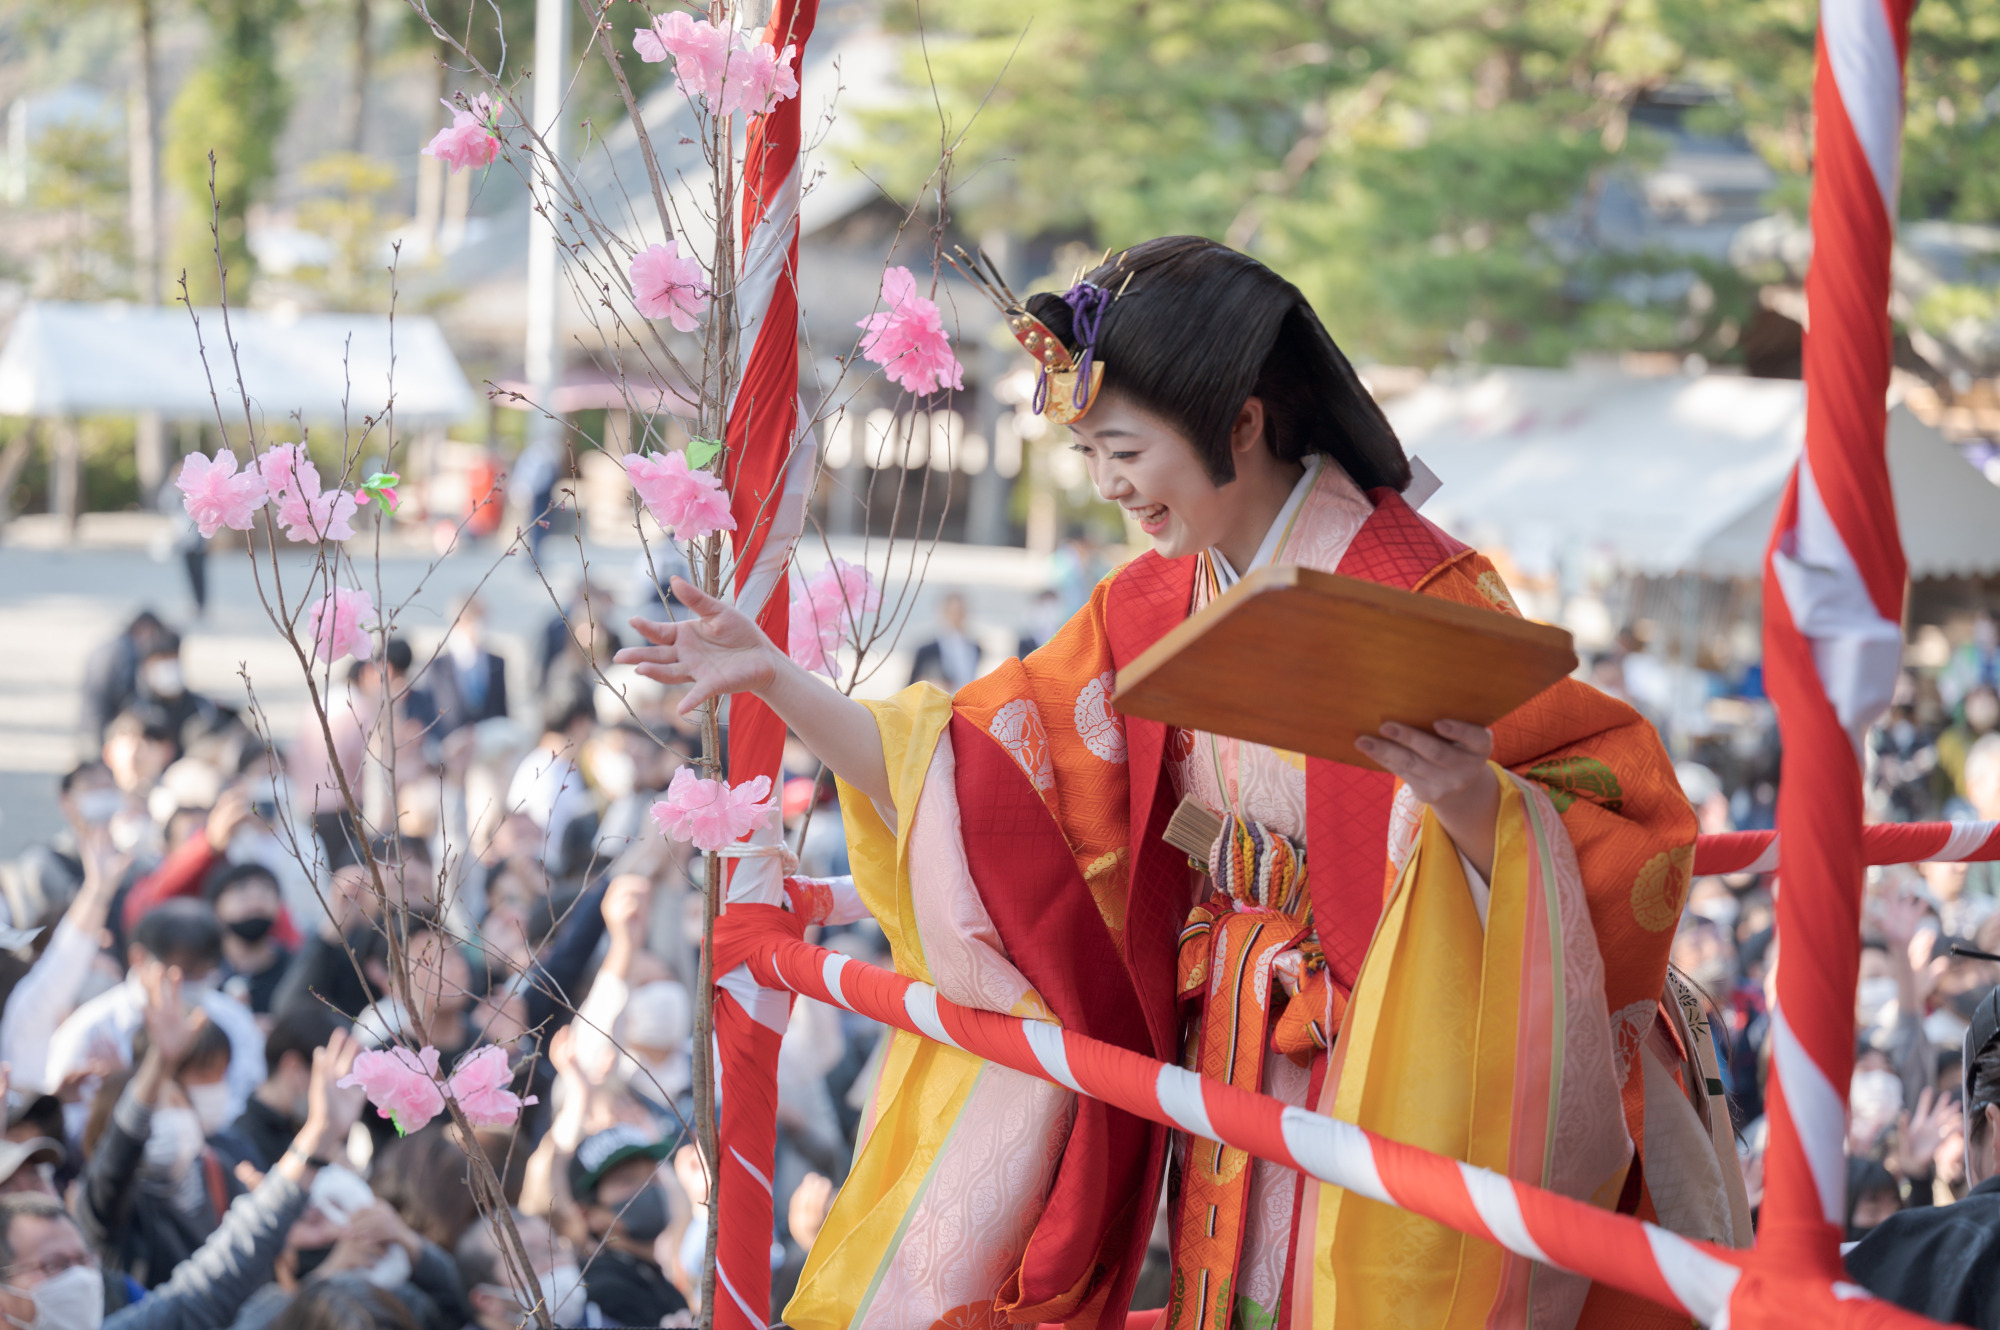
1833,608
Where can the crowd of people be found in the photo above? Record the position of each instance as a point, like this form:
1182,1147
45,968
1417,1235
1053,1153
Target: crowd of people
195,961
1930,960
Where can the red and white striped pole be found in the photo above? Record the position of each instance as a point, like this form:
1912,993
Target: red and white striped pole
767,471
1833,602
1881,843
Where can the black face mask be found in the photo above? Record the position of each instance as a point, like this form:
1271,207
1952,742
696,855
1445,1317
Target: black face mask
312,1258
644,1217
254,929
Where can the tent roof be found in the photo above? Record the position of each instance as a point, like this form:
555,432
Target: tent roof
1664,475
80,359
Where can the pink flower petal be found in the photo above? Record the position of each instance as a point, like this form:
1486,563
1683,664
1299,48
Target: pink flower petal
666,285
335,625
908,339
401,1084
728,70
689,503
711,814
480,1084
828,609
467,143
216,495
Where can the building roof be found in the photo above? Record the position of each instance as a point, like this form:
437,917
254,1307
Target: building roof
1664,475
64,359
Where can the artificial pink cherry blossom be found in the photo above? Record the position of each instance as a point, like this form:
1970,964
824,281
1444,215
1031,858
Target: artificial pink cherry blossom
666,285
480,1084
402,1085
217,495
729,70
828,609
690,503
908,339
336,625
312,518
288,467
470,141
306,512
711,813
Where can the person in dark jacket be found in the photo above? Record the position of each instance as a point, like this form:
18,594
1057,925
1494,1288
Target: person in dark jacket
468,682
111,675
1944,1261
278,1108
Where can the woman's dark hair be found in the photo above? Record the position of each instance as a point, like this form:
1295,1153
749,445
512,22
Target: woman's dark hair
1982,1080
1195,329
426,1179
344,1303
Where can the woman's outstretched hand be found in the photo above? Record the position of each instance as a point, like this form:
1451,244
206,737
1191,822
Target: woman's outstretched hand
718,651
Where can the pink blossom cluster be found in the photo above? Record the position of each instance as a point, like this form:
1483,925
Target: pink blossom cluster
908,339
689,502
470,141
403,1085
667,285
827,609
217,495
336,628
713,813
725,67
307,512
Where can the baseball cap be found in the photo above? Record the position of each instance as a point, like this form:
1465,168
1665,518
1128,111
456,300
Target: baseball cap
603,1151
16,1155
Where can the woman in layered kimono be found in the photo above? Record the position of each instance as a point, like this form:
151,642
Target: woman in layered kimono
1464,950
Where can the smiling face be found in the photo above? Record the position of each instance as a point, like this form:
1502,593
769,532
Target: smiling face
1140,462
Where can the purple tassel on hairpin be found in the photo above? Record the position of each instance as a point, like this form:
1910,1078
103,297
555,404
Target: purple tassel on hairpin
1087,303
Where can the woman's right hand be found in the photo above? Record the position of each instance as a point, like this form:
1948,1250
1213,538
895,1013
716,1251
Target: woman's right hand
720,650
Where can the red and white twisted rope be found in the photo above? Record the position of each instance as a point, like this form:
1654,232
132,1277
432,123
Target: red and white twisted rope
1833,601
1881,843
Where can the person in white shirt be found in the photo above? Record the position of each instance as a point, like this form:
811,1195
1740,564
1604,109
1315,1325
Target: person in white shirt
181,933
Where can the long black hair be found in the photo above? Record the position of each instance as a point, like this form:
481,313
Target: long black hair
1197,328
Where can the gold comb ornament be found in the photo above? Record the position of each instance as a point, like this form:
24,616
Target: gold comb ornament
1068,385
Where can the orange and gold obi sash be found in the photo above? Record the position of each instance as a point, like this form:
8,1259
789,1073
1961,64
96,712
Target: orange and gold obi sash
1256,925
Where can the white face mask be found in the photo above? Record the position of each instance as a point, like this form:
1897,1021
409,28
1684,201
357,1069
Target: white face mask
617,774
213,1105
175,1139
163,678
1871,996
562,1291
392,1271
72,1300
1875,1098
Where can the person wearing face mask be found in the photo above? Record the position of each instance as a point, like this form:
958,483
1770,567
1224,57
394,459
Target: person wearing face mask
612,1178
198,859
255,954
50,1279
275,1111
1944,1261
152,1190
496,1304
182,934
163,699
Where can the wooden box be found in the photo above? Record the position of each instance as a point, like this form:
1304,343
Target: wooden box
1306,661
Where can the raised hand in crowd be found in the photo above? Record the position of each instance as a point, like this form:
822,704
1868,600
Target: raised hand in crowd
811,1200
1921,1134
231,811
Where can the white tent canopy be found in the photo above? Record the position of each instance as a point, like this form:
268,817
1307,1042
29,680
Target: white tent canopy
86,359
1664,475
